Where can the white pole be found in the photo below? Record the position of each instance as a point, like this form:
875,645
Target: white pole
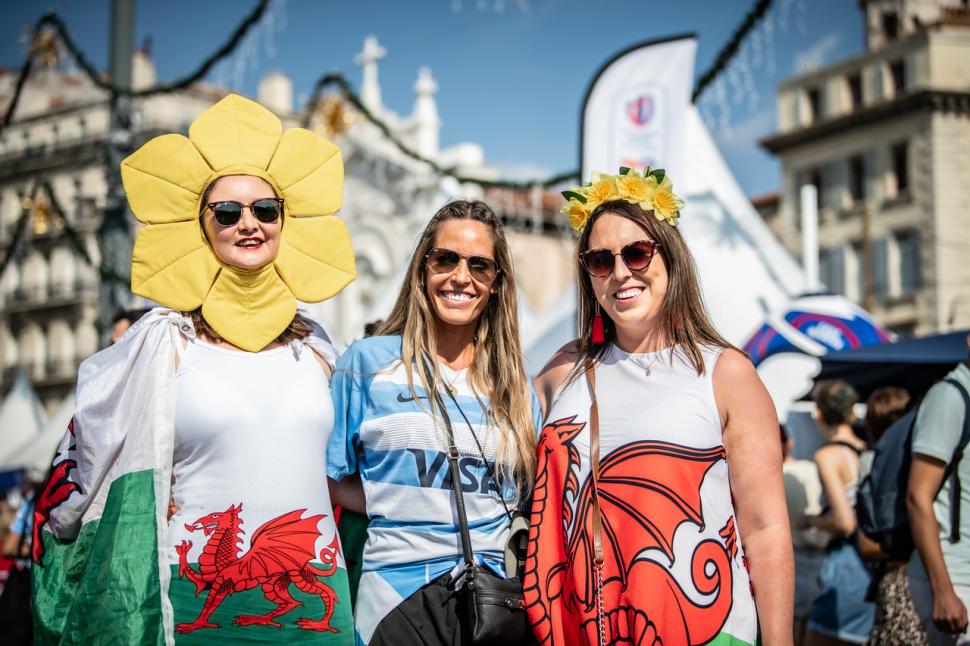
809,195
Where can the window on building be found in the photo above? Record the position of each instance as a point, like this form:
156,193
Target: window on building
890,25
855,90
897,70
900,165
831,264
857,178
909,268
814,104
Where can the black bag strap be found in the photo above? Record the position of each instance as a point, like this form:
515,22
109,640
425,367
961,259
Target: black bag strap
481,452
847,445
466,539
952,469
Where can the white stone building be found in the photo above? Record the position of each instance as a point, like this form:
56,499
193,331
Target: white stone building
885,138
49,294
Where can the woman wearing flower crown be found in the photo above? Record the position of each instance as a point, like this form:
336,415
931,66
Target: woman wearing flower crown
658,512
453,334
188,503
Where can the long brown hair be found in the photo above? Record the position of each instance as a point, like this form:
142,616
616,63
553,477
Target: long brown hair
496,371
299,328
684,321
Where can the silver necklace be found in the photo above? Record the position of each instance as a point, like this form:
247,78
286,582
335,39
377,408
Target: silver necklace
645,366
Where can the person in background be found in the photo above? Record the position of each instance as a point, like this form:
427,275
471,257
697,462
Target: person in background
803,491
939,570
122,320
896,620
840,614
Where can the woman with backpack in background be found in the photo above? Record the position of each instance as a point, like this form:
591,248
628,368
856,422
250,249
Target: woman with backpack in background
840,614
896,618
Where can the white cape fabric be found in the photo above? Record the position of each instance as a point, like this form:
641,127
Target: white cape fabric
101,521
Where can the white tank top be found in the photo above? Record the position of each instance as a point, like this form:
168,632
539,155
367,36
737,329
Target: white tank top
673,551
251,431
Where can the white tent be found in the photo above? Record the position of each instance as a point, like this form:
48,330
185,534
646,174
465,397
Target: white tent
37,452
21,420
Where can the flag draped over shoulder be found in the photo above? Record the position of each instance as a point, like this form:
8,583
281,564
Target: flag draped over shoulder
99,576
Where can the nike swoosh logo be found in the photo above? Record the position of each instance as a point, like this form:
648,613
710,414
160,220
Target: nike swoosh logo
401,398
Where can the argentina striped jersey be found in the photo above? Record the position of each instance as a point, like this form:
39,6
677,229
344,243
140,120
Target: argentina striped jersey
400,451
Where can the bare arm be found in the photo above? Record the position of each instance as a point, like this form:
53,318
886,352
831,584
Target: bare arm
754,462
925,478
11,546
554,374
348,493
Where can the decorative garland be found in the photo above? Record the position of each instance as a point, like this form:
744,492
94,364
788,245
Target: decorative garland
723,59
54,22
731,47
343,86
106,273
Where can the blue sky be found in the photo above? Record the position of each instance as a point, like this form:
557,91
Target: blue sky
511,73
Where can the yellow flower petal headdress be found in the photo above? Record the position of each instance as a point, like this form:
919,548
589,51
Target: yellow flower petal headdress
173,263
651,190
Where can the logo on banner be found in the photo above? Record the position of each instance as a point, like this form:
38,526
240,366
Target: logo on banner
637,133
640,110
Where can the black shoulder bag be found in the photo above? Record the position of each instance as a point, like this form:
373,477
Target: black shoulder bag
492,609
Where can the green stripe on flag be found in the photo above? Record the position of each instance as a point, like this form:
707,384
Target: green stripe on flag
726,639
103,587
252,601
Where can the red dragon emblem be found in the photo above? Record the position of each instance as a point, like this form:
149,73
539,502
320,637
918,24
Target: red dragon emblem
279,555
57,490
647,489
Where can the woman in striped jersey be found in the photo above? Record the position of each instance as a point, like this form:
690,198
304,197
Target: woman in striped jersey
457,312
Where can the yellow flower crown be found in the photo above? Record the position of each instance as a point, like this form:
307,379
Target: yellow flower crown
651,190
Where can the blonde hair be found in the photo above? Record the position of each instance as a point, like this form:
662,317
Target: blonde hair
683,318
496,371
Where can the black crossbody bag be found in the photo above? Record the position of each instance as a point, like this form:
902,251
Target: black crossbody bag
492,608
489,609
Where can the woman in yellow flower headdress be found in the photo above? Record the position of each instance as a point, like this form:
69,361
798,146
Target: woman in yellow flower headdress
659,475
188,502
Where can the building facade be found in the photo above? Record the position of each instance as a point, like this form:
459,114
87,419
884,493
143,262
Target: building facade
885,139
49,289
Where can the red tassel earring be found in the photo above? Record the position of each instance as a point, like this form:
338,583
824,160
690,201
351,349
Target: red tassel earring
596,334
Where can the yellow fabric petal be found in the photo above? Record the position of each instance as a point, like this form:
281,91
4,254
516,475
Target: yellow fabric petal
236,132
163,180
173,265
316,259
310,172
249,310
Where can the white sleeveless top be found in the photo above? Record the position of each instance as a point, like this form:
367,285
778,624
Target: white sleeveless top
673,553
251,431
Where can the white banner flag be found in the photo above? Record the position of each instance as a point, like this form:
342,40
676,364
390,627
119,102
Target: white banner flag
634,110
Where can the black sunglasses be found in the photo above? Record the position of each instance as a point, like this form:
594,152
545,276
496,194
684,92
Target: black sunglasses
636,256
228,212
445,261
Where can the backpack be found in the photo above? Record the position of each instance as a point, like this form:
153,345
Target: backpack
881,501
